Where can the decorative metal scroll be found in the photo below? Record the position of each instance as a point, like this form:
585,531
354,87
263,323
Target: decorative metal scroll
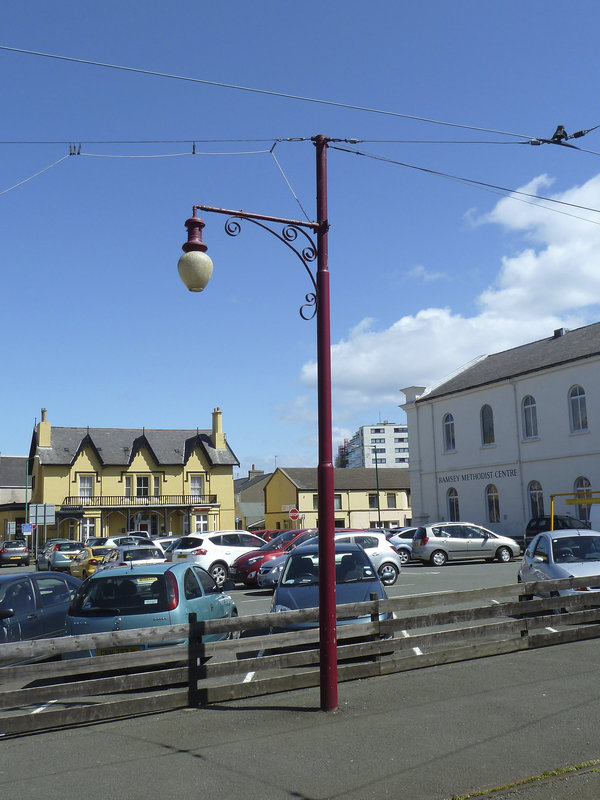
307,254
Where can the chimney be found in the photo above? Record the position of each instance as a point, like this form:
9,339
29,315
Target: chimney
558,333
218,437
254,473
44,431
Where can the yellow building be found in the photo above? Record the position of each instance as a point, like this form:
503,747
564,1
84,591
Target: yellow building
364,498
107,481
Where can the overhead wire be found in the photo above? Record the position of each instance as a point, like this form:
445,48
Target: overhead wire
472,182
35,175
271,93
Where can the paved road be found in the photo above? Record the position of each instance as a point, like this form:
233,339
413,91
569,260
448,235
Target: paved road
429,734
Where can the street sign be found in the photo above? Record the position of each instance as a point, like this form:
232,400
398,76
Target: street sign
294,514
26,528
42,514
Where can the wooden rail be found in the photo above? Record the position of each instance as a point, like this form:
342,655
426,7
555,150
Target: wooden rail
425,631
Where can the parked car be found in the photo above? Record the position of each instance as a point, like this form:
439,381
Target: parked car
559,554
458,541
215,552
382,554
15,552
34,606
131,539
87,560
355,580
126,555
245,567
401,539
561,522
58,556
145,596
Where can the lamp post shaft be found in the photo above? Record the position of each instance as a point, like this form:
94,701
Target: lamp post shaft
327,601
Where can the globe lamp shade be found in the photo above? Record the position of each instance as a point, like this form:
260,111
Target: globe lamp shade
195,269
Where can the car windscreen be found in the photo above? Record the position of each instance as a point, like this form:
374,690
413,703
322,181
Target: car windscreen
280,541
142,553
108,595
101,551
68,547
567,549
14,545
302,569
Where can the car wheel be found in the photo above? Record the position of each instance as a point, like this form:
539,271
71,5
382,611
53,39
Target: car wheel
404,556
388,574
438,558
219,573
504,555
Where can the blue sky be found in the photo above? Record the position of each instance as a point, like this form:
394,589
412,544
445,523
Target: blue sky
426,272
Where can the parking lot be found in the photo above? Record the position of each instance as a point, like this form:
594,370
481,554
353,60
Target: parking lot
414,579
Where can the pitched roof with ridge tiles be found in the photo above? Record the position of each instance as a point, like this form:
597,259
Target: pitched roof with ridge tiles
350,479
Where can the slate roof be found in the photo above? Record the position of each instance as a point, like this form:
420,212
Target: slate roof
347,480
12,472
561,348
117,446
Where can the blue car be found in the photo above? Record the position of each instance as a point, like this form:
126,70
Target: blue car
144,596
34,606
355,580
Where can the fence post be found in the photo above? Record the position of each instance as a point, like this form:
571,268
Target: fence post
375,618
193,654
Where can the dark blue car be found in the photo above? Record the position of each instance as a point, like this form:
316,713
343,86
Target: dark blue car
355,580
34,605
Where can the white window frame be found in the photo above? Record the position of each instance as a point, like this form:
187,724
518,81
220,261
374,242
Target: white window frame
448,432
577,409
86,486
529,410
194,481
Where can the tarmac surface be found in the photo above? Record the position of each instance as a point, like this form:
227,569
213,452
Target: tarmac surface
473,729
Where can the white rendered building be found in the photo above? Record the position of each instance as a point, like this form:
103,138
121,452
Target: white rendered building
493,442
384,444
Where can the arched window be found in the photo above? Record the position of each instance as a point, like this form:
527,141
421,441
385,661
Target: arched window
493,503
487,425
581,486
577,409
530,428
452,501
448,426
536,499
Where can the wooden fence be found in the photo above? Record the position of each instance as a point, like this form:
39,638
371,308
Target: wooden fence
425,630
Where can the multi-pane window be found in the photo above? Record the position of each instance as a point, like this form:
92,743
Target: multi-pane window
86,485
493,503
372,499
577,409
88,528
337,501
196,485
487,425
201,523
448,429
453,509
391,499
315,502
530,427
582,486
536,499
377,430
156,485
127,485
142,486
378,441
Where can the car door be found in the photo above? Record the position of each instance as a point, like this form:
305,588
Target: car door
200,598
54,597
479,543
536,560
25,623
456,543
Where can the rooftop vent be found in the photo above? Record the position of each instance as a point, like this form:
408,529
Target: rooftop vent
559,332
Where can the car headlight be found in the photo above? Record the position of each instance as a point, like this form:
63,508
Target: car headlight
253,560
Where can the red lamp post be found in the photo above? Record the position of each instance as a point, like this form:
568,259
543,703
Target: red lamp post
195,269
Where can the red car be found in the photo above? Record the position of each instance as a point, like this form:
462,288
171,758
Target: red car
245,568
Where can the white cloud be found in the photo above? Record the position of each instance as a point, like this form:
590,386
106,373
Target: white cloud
551,282
423,274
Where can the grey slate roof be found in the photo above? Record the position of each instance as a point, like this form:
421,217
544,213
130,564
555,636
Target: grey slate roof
12,472
117,446
573,345
347,480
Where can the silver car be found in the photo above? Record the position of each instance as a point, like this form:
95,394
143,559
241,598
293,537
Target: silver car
459,541
382,554
561,554
58,555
